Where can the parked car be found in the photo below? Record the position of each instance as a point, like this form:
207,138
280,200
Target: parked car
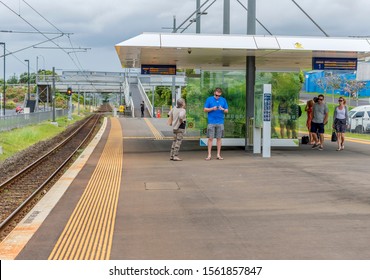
359,119
19,110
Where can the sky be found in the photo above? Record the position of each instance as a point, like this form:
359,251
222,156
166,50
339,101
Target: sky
92,28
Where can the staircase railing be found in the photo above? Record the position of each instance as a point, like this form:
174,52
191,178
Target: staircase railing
144,96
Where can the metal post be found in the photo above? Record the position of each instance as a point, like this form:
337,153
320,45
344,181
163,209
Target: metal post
37,86
28,79
197,23
47,97
4,85
70,108
174,24
153,111
53,95
173,91
251,74
78,100
38,79
120,95
251,23
226,16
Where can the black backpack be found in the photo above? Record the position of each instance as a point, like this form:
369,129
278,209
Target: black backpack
305,139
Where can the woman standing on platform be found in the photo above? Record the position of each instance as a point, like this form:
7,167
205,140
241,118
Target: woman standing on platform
340,122
308,109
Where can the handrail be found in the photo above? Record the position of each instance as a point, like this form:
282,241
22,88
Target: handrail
126,91
143,94
132,107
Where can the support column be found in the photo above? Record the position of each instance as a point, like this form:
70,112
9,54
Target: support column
251,75
173,90
198,16
226,17
53,97
251,23
250,82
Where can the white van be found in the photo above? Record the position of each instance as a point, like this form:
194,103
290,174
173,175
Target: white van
359,119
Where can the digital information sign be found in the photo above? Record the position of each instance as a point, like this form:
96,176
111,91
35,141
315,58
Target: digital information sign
157,69
331,63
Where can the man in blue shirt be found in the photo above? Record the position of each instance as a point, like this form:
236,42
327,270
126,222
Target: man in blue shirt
216,107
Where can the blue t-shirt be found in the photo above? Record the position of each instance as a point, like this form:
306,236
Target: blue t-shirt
217,116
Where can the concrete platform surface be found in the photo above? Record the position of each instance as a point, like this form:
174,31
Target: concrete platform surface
298,204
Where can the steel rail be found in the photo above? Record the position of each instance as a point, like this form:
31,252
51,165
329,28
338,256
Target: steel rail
38,161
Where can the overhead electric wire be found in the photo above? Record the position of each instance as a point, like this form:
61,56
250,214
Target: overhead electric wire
33,27
42,16
32,46
310,18
186,20
49,39
31,32
77,64
66,48
198,15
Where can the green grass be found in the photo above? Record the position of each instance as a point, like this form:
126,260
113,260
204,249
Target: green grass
19,139
358,136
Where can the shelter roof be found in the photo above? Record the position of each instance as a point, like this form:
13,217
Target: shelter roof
213,52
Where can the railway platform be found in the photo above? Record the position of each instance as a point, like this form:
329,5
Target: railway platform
123,199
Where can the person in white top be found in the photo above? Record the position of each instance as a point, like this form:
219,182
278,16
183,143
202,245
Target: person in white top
340,122
177,119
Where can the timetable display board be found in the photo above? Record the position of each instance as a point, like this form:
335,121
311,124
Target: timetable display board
157,69
331,63
267,99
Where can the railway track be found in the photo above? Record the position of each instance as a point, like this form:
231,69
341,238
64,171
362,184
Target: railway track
21,192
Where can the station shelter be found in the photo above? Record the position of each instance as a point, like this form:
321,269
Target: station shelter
222,61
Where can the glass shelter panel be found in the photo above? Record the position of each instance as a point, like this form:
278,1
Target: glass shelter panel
285,117
200,87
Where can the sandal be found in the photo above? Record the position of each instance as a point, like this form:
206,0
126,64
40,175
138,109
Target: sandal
208,158
220,158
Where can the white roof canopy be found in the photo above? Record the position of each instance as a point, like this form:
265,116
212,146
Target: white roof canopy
210,52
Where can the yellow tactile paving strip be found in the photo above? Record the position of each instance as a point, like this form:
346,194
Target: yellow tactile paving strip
88,234
156,133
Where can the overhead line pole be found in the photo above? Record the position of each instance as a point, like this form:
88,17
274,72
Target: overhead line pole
250,77
28,79
256,18
53,96
4,84
310,18
197,23
226,29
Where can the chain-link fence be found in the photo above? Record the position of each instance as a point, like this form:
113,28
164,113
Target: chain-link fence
21,120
